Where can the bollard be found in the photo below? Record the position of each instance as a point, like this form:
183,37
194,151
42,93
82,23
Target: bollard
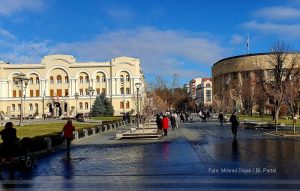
49,143
75,135
94,131
85,132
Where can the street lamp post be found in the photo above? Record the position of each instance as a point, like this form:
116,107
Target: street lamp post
76,98
91,92
22,82
138,85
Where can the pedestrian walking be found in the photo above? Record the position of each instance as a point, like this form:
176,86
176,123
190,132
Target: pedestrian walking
68,135
173,121
221,118
234,124
165,125
181,118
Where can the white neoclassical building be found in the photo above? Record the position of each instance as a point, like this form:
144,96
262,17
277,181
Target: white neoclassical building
51,86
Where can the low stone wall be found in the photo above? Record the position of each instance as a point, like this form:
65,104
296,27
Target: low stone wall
41,145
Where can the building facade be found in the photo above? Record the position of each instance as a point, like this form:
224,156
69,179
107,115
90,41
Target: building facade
193,86
233,75
60,86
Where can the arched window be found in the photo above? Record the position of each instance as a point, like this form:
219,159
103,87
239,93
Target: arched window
30,107
37,80
121,105
66,79
127,78
87,80
80,79
208,85
58,79
127,105
80,105
36,107
98,78
122,90
51,79
13,107
86,106
103,79
122,79
31,80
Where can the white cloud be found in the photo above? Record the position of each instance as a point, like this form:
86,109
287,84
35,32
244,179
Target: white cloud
120,14
278,13
9,7
286,30
6,34
237,39
162,52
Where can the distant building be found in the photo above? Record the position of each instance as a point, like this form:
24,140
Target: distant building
204,93
193,86
53,84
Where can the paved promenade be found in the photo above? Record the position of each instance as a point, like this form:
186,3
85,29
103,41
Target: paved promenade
196,156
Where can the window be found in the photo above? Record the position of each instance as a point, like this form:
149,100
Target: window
127,90
98,91
31,93
51,80
14,93
122,90
127,78
127,105
122,79
59,92
98,79
37,80
20,93
58,79
31,80
37,93
103,79
81,91
208,85
121,105
86,91
36,107
80,105
66,92
208,95
81,79
103,91
13,107
30,107
51,92
87,80
86,106
19,107
66,79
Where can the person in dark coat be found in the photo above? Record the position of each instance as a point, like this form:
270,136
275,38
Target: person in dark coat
234,124
9,137
221,118
173,121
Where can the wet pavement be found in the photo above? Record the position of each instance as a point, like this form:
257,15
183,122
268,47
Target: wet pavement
196,156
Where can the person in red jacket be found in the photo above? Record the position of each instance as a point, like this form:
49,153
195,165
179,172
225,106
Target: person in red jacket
165,125
68,134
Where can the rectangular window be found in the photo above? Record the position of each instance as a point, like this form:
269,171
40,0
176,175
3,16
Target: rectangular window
20,93
59,92
31,93
66,92
14,93
103,91
127,90
122,90
37,93
127,105
208,95
121,105
98,91
51,92
81,91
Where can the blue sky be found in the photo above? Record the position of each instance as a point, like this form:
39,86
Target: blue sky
185,37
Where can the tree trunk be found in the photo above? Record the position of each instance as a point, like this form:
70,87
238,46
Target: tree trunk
276,116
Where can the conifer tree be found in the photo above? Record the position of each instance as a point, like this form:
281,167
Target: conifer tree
102,106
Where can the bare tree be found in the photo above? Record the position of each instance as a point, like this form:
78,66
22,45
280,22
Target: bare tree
282,65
